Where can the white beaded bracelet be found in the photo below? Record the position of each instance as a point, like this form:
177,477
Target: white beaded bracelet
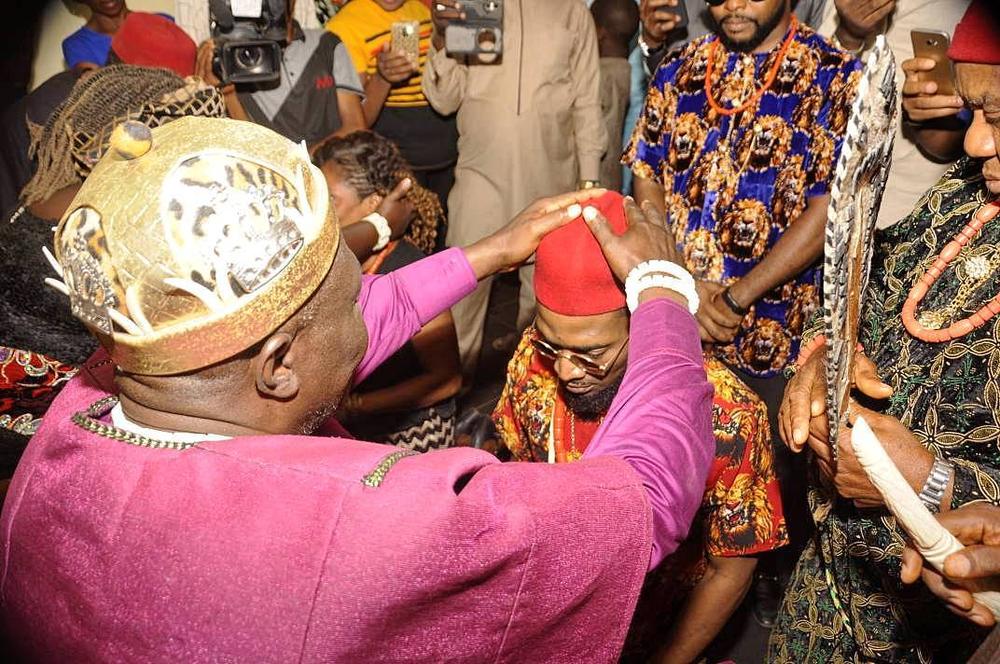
381,225
662,266
660,274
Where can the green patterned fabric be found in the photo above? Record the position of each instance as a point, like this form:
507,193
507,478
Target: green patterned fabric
845,601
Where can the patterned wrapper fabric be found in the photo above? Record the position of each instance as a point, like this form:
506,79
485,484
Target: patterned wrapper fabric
741,512
733,184
28,384
845,600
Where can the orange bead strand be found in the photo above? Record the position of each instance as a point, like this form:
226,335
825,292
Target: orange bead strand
919,291
768,80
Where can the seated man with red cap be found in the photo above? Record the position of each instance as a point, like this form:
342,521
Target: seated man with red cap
172,506
561,382
930,331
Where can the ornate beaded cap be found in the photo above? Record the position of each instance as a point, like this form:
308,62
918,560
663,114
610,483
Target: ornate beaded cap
190,242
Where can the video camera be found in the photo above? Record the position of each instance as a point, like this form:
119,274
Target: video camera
248,36
481,33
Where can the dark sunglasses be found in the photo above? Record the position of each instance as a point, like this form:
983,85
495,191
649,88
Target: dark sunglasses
582,362
716,3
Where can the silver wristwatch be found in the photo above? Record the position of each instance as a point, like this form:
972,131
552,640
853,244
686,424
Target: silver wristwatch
934,488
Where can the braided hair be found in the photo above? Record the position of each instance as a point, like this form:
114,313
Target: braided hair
372,164
79,130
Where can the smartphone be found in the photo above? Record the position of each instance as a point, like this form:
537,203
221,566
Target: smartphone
934,44
406,38
681,11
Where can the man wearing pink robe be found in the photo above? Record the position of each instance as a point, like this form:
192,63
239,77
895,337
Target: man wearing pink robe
309,548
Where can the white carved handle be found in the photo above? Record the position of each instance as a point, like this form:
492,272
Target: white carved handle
932,540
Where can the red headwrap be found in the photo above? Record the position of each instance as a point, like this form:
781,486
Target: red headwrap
977,35
572,276
149,40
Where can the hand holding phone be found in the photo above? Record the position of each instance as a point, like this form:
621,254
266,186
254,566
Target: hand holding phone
933,45
405,38
661,17
929,88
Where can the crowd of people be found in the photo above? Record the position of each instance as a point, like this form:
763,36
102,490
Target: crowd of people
239,319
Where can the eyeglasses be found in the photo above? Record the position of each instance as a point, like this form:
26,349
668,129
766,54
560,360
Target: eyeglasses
580,361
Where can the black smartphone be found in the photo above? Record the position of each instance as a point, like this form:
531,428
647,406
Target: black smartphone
681,11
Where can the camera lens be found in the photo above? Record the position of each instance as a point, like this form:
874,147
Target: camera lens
249,57
487,40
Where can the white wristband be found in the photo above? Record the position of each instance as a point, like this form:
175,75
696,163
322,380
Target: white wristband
381,227
644,47
660,274
661,266
683,288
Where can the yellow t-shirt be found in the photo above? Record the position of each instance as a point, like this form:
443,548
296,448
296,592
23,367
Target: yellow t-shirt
365,29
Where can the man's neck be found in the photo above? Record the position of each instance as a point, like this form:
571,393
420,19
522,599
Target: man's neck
776,36
107,24
153,417
610,48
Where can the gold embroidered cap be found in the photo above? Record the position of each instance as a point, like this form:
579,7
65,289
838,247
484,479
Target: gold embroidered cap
191,242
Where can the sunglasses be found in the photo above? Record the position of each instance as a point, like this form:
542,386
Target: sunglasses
717,3
580,361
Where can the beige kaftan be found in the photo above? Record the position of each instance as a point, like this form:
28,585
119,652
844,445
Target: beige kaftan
529,126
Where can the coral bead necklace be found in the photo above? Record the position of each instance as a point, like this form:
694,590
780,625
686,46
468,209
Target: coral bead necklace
768,80
948,254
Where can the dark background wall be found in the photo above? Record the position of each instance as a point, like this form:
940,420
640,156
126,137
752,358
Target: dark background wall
19,28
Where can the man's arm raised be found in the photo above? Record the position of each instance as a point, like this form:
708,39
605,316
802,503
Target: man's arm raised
395,306
660,422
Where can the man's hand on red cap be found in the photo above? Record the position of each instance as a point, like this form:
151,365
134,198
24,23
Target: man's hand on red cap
513,244
645,239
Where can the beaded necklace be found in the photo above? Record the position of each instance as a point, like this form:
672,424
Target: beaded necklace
768,80
948,254
379,258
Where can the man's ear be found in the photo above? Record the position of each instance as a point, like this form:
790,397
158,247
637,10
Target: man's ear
370,203
276,377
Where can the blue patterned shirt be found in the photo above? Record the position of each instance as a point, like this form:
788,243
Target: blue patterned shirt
734,183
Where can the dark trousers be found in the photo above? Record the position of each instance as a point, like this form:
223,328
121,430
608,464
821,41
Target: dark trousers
791,472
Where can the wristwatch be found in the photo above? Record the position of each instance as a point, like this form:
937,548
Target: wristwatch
588,184
936,484
381,227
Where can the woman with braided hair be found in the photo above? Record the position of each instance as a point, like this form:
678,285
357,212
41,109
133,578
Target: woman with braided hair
416,387
41,343
366,166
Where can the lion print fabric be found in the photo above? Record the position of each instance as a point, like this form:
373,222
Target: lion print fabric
845,601
733,184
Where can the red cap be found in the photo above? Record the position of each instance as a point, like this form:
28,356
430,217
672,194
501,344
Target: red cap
572,276
149,40
977,35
